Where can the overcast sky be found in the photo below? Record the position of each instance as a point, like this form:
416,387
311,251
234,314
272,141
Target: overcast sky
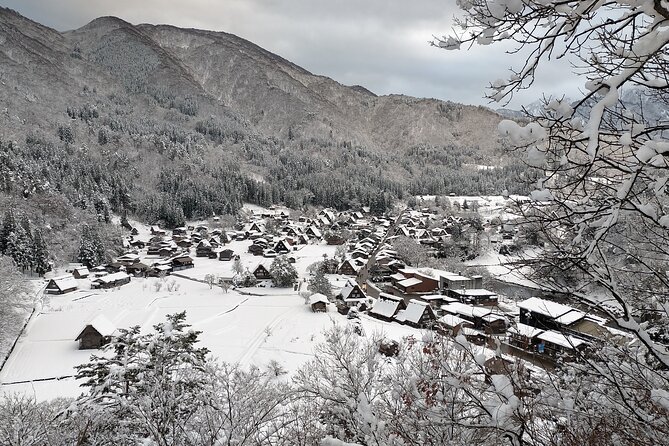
379,44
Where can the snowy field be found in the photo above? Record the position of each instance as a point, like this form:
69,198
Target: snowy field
236,327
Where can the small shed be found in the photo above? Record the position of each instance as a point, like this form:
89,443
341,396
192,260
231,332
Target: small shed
61,285
80,272
96,333
318,303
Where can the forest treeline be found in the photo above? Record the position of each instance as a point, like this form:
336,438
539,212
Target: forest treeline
102,158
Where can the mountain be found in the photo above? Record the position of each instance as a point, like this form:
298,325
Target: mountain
169,123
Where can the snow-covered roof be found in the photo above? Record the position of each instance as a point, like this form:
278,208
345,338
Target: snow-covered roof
102,325
347,290
452,320
477,292
414,311
385,307
318,297
386,296
431,297
112,277
466,310
315,231
128,257
525,330
570,317
544,307
409,282
65,282
562,340
397,276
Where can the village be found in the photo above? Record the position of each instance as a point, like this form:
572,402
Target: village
223,279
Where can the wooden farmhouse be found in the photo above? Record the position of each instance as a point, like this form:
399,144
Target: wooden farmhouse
313,232
352,295
182,262
348,268
128,259
261,272
137,269
548,315
283,247
203,249
417,314
226,255
110,281
96,333
387,306
61,285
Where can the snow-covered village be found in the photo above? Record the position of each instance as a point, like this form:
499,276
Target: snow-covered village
203,243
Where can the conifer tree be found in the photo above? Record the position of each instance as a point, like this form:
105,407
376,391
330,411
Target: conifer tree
40,253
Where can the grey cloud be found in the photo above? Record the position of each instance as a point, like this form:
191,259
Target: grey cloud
379,44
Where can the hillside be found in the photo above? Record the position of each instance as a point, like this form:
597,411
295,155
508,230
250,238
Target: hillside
167,123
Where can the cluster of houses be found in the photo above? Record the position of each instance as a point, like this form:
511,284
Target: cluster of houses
454,305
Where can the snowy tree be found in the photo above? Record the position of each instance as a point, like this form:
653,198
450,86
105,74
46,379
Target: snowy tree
411,251
318,283
154,382
9,225
601,203
237,267
14,299
91,247
283,272
40,253
211,280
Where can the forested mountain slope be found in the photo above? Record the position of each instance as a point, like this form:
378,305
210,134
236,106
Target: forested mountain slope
167,123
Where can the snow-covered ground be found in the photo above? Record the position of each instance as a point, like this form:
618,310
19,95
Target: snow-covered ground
236,327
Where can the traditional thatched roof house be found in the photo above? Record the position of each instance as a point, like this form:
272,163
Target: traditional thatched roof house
387,306
96,334
352,295
417,314
282,247
313,232
61,285
203,249
261,272
348,268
